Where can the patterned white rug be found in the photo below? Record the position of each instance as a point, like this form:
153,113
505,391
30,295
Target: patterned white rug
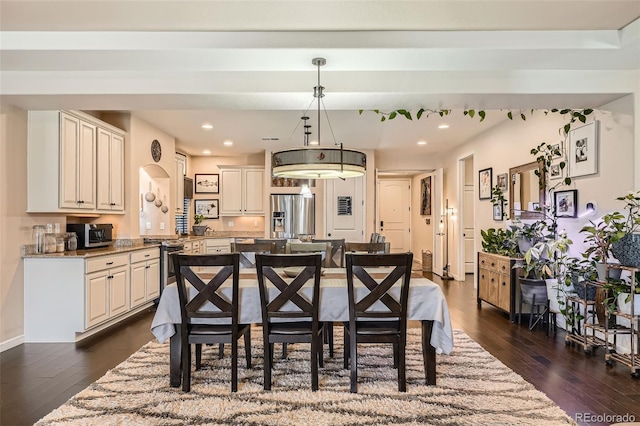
474,388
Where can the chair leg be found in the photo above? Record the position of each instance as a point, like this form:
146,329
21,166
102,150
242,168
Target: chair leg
346,349
247,347
402,376
186,365
395,355
234,363
221,351
354,361
320,349
284,351
315,342
268,361
198,356
328,337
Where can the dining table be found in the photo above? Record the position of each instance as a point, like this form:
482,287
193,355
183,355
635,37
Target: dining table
426,303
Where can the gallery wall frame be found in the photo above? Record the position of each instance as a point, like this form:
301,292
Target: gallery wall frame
566,203
485,183
208,208
502,182
425,191
207,183
498,212
583,155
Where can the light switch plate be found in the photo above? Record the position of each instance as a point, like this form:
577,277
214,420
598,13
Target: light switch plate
230,224
148,225
161,225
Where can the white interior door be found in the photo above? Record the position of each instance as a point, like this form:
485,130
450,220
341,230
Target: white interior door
394,218
344,203
468,218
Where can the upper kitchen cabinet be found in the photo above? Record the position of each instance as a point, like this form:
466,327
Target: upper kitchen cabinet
110,182
181,167
242,191
75,164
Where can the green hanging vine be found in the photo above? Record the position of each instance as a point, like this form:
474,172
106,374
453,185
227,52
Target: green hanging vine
574,115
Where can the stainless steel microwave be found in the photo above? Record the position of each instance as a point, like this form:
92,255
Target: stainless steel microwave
92,235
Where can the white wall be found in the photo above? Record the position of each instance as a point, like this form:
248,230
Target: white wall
508,144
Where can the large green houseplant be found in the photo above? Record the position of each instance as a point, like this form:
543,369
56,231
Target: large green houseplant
600,236
627,248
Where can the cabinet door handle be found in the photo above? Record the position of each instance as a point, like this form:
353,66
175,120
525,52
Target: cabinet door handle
493,264
493,279
482,276
147,255
110,277
109,263
147,267
504,283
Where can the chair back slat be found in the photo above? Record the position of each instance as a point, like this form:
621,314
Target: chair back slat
248,251
336,259
266,266
378,291
279,242
323,248
210,292
367,247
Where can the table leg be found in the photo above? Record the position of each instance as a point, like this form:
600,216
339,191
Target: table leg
428,353
175,358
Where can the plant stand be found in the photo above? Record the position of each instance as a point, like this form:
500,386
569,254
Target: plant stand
632,359
582,331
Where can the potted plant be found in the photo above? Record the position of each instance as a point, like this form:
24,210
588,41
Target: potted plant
599,239
198,229
627,248
499,241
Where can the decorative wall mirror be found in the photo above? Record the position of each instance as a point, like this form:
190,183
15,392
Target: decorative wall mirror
526,195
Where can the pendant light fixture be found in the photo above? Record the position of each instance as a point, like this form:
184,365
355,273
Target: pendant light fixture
318,162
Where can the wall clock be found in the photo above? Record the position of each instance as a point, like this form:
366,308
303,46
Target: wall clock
156,150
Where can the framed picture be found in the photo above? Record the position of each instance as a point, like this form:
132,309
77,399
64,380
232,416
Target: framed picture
498,212
501,182
555,172
207,208
566,203
425,190
485,182
558,147
207,184
583,150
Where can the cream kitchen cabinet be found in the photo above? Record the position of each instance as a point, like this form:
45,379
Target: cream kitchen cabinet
110,173
241,191
107,288
217,245
180,166
63,163
145,276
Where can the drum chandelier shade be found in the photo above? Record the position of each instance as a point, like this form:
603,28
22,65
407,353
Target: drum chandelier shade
318,162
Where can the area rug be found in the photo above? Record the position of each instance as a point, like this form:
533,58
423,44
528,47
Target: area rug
473,388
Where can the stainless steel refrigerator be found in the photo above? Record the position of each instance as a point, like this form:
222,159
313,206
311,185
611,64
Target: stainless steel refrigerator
292,216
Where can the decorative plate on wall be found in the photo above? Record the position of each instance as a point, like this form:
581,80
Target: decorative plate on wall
156,150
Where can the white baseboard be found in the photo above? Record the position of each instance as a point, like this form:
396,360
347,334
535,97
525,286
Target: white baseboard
11,343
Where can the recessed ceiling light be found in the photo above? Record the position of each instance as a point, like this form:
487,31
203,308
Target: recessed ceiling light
422,142
228,143
443,126
207,126
206,152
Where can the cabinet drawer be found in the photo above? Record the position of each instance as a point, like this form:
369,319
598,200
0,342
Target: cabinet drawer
140,255
106,262
504,267
196,246
488,262
217,242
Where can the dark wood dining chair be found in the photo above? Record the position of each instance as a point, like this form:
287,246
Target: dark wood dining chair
226,328
249,250
300,325
356,247
336,259
279,242
386,322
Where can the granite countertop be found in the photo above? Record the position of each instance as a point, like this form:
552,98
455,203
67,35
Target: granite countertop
86,253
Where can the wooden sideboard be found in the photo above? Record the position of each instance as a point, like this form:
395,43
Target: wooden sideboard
498,283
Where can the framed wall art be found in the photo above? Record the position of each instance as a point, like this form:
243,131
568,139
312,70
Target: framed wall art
485,182
425,190
207,183
498,210
583,150
566,203
501,182
207,208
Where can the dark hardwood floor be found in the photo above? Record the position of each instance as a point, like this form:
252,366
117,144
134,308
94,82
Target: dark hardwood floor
37,378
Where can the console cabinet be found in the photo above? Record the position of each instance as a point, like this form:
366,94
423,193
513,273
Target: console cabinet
497,282
75,163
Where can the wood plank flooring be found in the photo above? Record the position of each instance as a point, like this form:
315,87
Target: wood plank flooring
37,378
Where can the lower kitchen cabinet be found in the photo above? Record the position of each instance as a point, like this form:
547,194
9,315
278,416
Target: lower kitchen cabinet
497,282
69,298
145,276
217,245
